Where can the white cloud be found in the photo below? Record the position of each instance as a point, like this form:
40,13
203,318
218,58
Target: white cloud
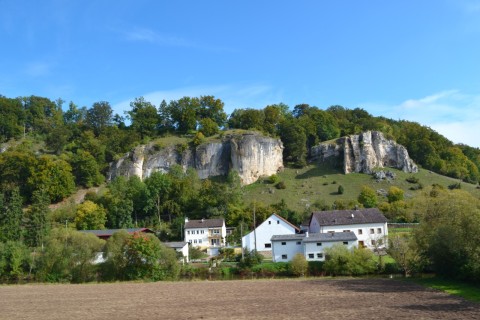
234,96
451,113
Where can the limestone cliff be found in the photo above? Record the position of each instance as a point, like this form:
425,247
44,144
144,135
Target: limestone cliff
365,152
251,155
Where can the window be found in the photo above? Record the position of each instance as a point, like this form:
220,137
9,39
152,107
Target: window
372,231
299,242
319,244
320,255
202,231
284,257
199,240
373,242
379,230
345,243
216,231
190,241
188,232
268,245
278,221
346,230
311,256
269,222
284,243
195,241
360,231
198,232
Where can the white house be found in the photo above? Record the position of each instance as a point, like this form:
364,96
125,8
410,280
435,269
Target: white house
205,233
368,225
179,246
260,238
310,245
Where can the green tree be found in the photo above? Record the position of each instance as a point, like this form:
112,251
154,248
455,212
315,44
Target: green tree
144,117
37,220
99,116
294,140
147,258
15,260
85,169
403,249
368,197
208,127
54,176
10,215
90,216
211,108
68,256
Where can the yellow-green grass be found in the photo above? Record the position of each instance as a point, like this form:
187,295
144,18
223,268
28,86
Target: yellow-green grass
320,182
466,290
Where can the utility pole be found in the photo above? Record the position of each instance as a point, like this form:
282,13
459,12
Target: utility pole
241,239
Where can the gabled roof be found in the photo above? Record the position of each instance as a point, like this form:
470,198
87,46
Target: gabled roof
175,244
297,229
109,232
287,237
316,237
347,217
330,237
204,223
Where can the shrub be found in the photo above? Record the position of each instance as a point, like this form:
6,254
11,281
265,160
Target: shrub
412,179
455,186
341,190
281,185
250,259
273,179
299,265
315,268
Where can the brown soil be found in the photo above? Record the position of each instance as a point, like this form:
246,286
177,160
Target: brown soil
242,299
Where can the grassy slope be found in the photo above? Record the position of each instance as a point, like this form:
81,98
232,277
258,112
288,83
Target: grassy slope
466,290
316,182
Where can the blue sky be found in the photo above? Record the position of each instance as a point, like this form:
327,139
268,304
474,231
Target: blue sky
413,60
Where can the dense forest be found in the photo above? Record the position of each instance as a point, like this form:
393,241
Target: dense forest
49,150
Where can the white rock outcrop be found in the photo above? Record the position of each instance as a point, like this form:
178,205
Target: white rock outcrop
251,155
365,152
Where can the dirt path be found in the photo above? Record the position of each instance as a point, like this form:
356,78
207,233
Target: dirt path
243,299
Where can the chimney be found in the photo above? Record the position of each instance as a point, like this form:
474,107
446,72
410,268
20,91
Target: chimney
306,234
203,220
186,219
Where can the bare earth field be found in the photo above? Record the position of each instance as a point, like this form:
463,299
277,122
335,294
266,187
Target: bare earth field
242,299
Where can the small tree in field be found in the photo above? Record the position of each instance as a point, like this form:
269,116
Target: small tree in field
299,265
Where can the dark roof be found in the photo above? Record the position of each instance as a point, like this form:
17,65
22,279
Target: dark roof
316,237
109,232
285,237
346,217
175,244
330,236
204,223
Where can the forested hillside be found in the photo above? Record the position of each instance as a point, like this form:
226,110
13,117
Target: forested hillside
50,150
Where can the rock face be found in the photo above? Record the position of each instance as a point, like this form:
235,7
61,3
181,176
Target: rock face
251,155
365,152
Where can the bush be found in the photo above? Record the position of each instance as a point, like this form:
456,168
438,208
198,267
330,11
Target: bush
412,179
272,269
341,190
315,268
281,185
299,265
455,186
249,259
273,179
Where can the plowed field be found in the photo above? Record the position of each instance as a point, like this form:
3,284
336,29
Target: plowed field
242,299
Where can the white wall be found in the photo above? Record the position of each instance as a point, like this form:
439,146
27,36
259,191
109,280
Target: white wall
364,236
264,232
290,248
197,237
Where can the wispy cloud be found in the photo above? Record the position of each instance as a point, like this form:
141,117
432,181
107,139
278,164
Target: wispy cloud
38,69
148,35
168,40
234,96
452,113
